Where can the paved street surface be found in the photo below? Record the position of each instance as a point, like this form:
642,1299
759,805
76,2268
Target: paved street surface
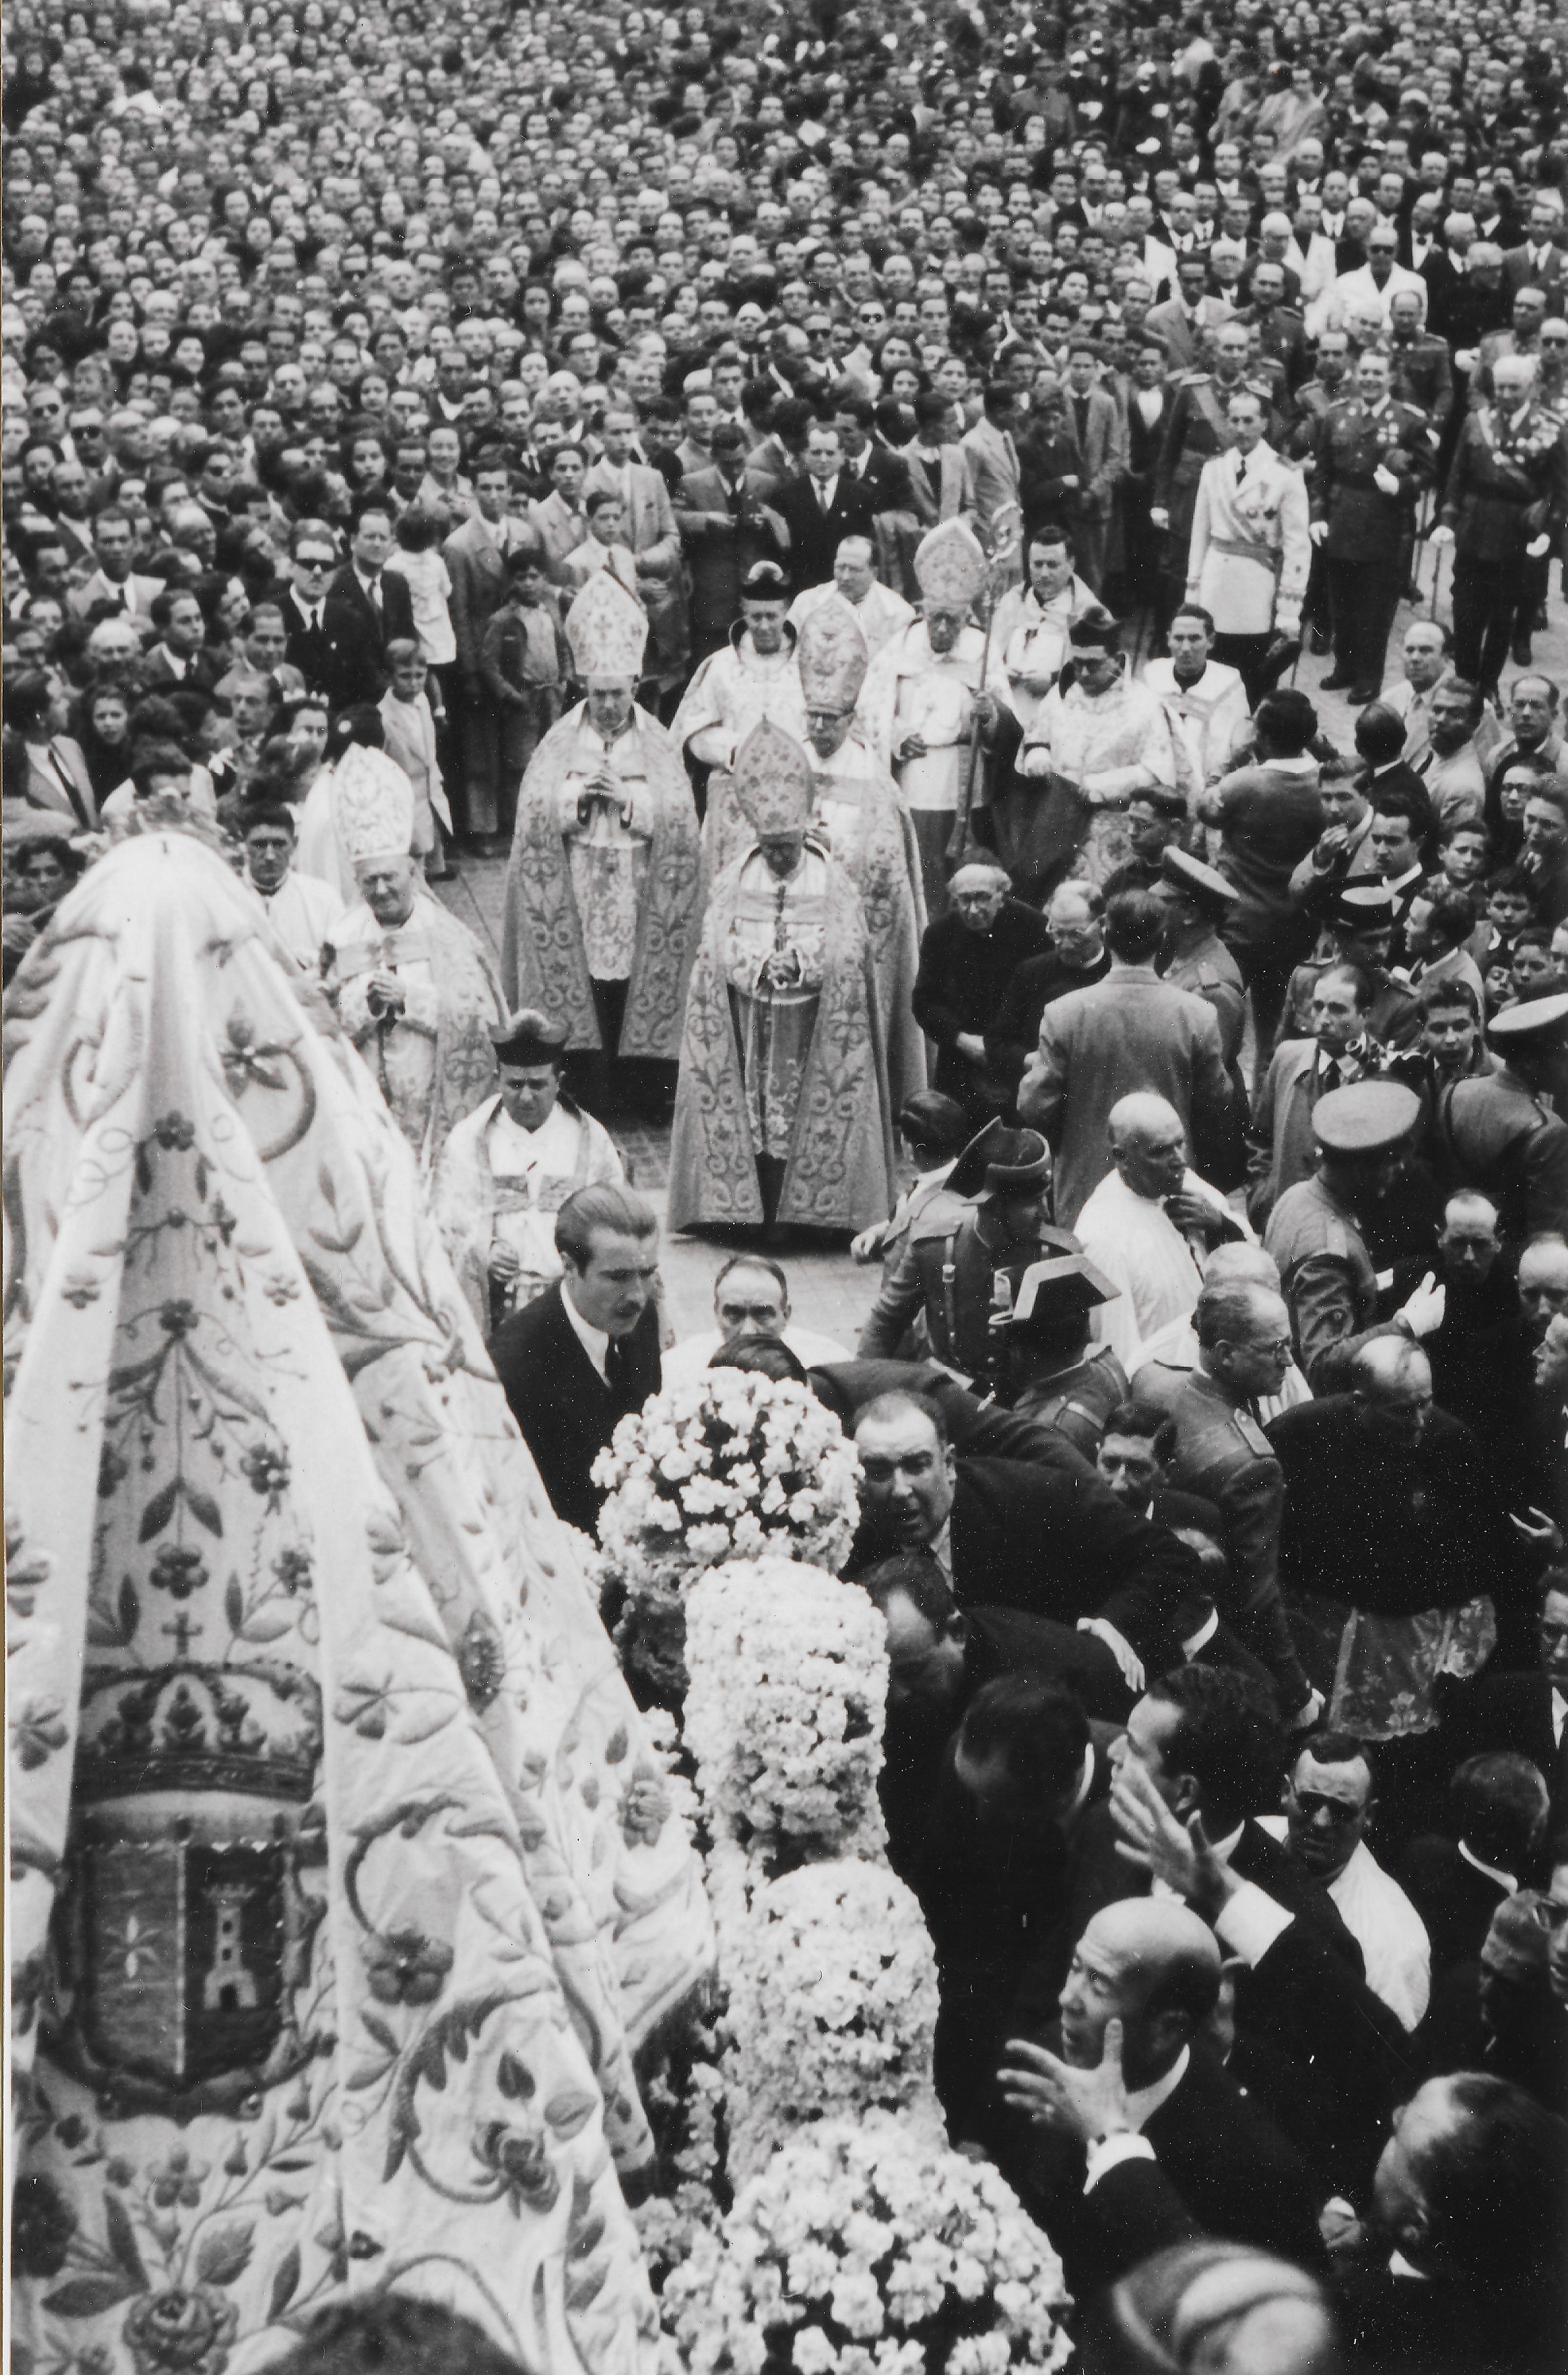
828,1291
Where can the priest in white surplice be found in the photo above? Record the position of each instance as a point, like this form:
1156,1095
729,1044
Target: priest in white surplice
302,911
1149,1225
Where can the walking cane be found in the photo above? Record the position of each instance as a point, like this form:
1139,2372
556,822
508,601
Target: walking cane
1436,582
960,841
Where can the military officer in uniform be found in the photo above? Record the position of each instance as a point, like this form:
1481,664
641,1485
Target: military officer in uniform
1047,1365
994,1213
1497,1131
1196,430
1371,460
1222,1455
1503,511
1197,899
1360,932
1314,401
1420,370
1316,1233
1250,550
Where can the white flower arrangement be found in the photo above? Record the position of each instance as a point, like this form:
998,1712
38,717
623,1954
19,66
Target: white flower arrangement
832,2004
730,1466
684,2109
869,2248
784,1707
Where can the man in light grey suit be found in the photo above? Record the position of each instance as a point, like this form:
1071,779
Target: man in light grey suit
991,466
1131,1031
650,528
1282,1151
476,561
1093,420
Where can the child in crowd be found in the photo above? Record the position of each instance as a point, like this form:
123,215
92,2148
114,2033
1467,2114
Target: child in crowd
524,661
409,722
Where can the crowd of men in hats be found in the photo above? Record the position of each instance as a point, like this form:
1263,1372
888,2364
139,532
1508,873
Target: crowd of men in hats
853,503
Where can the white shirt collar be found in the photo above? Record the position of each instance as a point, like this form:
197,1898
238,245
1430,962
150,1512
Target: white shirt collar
1144,2101
1504,1880
594,1341
1558,1712
1204,1633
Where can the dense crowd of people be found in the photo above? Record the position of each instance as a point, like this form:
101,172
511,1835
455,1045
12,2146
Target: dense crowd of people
842,499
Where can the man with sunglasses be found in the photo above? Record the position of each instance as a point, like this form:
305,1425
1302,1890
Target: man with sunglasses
1330,1795
312,557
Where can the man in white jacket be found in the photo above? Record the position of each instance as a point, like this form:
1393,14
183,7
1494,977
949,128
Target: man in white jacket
1251,546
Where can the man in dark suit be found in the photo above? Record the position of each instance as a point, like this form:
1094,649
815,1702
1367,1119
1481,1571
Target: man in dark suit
366,609
577,1359
882,474
1498,1812
1458,2271
1465,2275
1152,1968
725,528
1015,1536
1301,1989
1524,1712
819,510
1537,262
967,959
312,557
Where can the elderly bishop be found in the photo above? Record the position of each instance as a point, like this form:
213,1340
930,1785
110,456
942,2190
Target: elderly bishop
602,896
858,818
933,704
413,987
783,1113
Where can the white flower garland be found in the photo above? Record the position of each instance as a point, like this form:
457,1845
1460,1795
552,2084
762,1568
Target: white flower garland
871,2248
729,1466
783,1712
832,2004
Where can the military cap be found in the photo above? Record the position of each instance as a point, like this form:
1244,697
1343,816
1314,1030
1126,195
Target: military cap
1060,1288
528,1038
1368,1118
1204,883
1001,1161
1364,907
1536,1023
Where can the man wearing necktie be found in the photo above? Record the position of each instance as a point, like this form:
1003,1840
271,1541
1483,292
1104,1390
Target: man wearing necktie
311,562
822,508
1250,553
364,610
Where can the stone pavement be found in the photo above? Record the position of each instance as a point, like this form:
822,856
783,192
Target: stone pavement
828,1291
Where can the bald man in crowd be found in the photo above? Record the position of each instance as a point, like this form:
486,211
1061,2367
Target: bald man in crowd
1150,1224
